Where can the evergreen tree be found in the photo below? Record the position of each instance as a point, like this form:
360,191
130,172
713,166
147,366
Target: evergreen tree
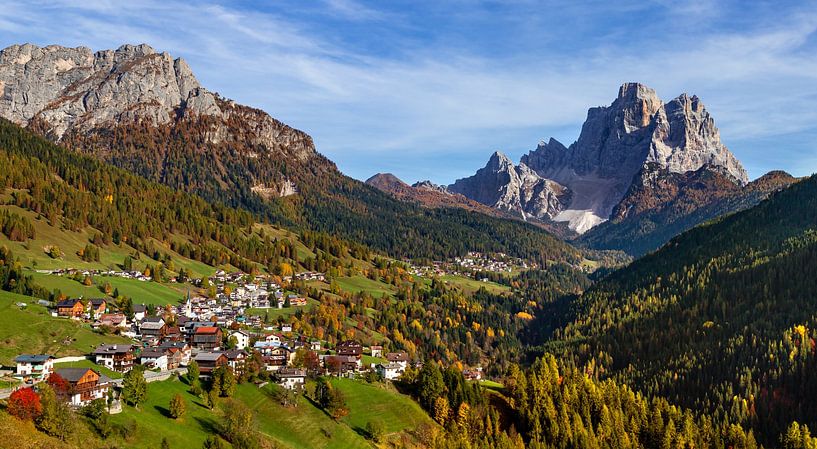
134,386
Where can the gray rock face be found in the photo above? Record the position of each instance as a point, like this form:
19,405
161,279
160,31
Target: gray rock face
74,90
430,186
512,188
637,131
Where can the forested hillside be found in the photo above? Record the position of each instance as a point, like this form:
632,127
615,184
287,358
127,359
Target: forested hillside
184,155
74,192
721,320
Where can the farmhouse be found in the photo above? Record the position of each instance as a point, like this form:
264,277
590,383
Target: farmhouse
85,384
112,320
154,358
401,358
350,348
96,306
342,364
242,339
236,359
71,308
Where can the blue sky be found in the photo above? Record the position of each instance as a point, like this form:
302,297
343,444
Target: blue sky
428,89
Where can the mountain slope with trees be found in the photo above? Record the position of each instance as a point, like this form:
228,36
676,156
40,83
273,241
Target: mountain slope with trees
720,320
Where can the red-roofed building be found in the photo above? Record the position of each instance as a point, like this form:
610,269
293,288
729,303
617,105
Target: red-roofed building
207,338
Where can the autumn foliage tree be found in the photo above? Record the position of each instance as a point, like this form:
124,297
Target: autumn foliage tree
24,404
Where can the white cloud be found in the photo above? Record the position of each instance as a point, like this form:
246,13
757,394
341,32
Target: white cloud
757,82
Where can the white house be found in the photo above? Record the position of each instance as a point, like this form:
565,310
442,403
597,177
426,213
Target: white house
242,339
291,378
139,312
401,358
38,366
154,358
390,371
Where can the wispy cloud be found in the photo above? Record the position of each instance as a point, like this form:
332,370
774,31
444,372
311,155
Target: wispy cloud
378,87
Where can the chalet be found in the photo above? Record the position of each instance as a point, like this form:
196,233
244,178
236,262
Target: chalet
350,348
390,371
85,385
72,308
242,339
376,351
115,357
34,366
207,338
175,358
295,300
209,361
277,357
291,378
154,358
401,358
96,306
236,359
341,364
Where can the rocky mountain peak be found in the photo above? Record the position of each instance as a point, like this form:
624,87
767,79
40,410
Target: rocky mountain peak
67,88
386,182
499,161
635,134
78,96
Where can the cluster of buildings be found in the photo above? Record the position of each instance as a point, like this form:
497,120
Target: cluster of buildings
498,263
126,274
83,385
213,332
473,261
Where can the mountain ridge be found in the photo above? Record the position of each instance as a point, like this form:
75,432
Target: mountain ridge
635,132
145,112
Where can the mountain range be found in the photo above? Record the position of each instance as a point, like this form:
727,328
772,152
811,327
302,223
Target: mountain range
644,168
146,112
708,340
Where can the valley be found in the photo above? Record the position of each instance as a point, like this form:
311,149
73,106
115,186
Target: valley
181,270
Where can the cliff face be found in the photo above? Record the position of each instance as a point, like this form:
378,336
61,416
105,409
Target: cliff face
508,187
88,100
585,182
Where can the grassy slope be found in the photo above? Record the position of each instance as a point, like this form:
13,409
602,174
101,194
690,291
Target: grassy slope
304,426
374,402
33,330
357,284
153,423
141,292
470,285
301,427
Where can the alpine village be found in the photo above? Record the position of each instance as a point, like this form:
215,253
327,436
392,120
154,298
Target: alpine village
178,270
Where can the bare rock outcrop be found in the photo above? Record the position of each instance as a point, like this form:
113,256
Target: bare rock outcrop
582,184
